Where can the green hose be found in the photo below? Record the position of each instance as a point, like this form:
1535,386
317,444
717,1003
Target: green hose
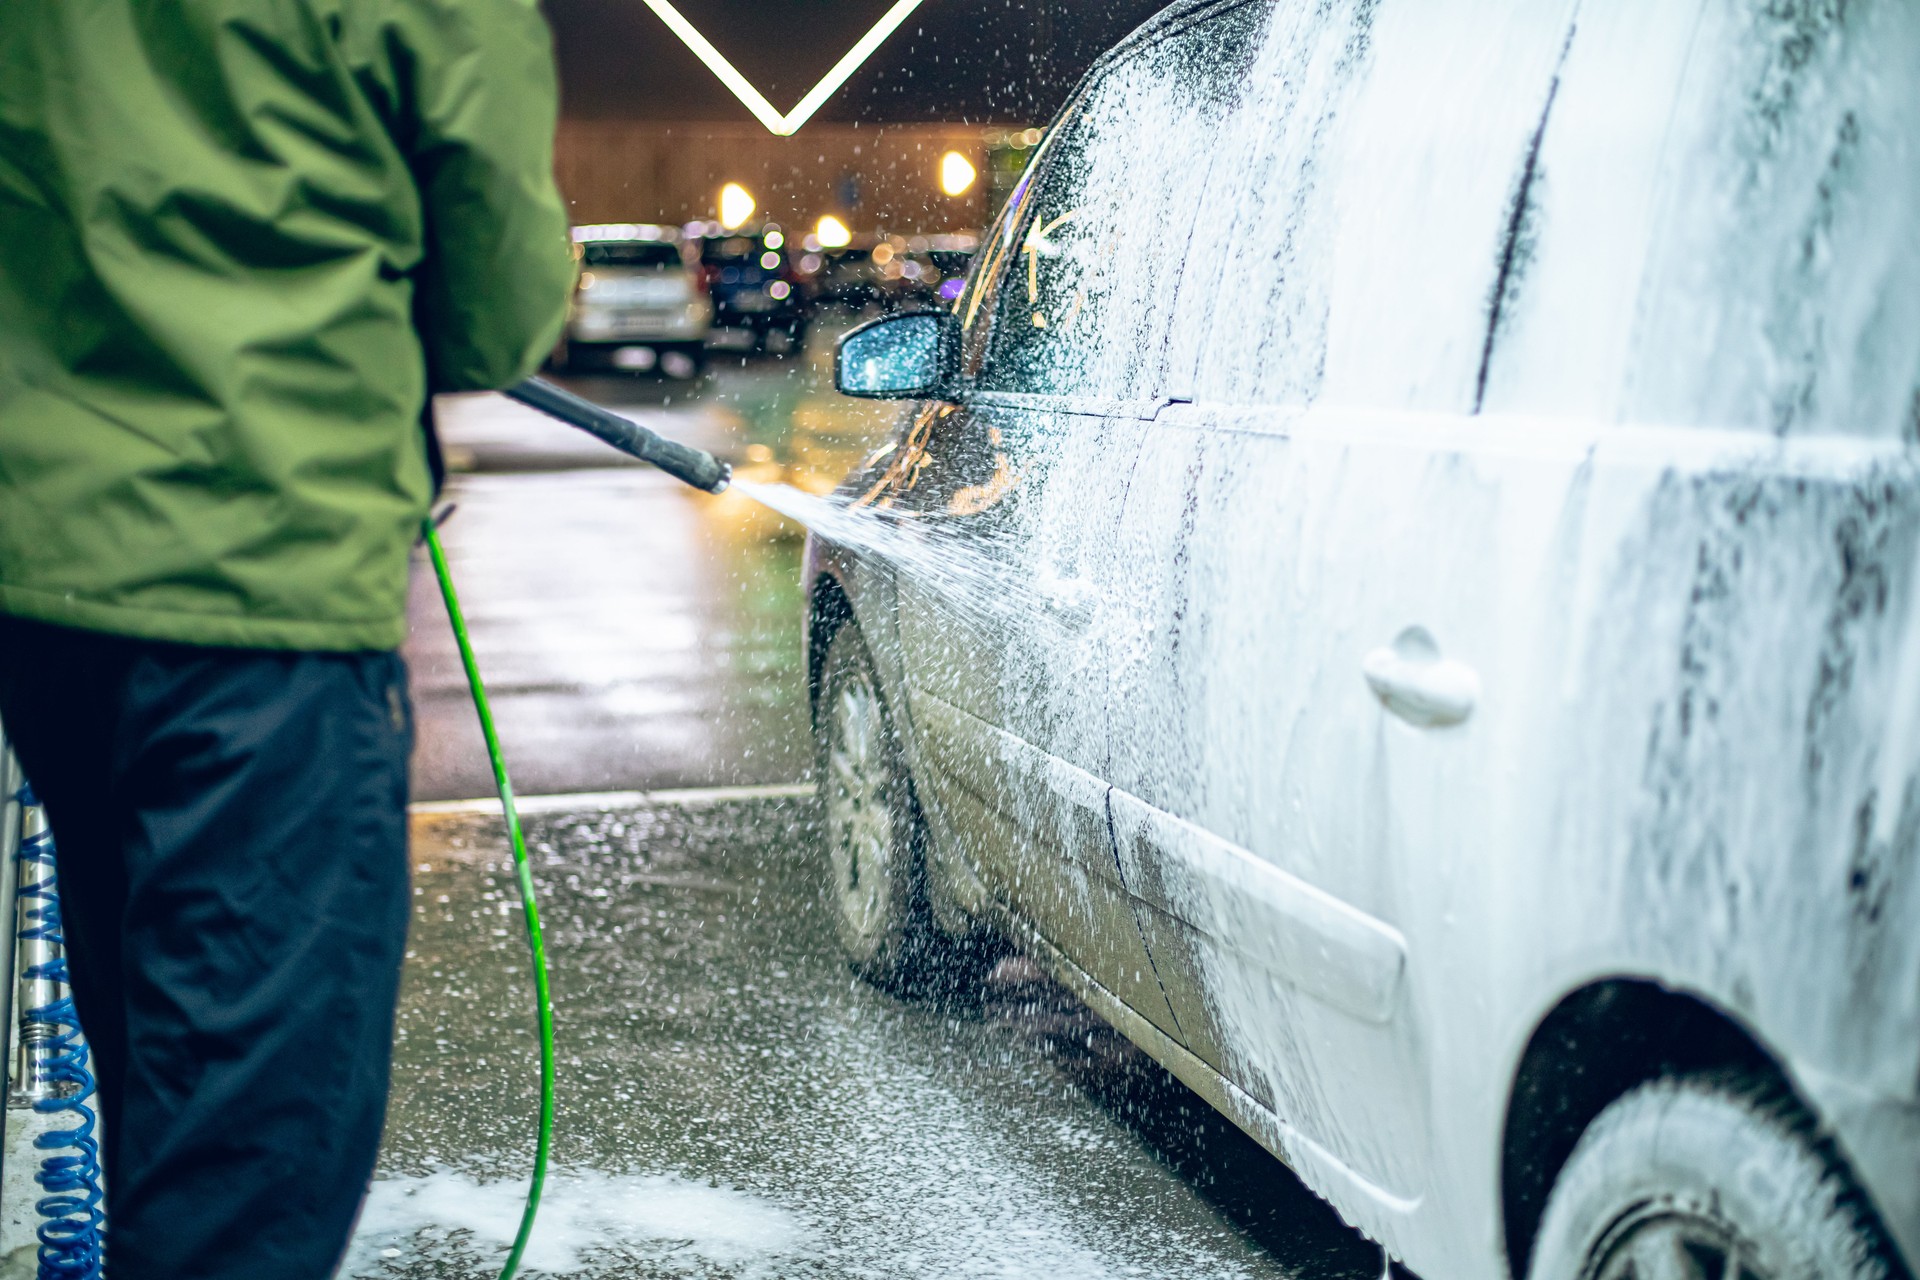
527,903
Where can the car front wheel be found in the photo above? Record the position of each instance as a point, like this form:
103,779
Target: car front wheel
1706,1177
874,839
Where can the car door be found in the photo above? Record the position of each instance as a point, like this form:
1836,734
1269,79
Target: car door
1316,521
1017,493
1720,757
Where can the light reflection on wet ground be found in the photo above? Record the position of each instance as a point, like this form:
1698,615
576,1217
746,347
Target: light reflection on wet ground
718,1060
634,634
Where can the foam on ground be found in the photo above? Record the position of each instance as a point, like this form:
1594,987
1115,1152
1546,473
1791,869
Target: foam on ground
585,1217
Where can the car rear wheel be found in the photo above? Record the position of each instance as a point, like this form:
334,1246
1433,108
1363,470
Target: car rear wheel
874,838
1706,1177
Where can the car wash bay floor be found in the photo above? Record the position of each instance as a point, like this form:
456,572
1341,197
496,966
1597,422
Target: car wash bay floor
732,1102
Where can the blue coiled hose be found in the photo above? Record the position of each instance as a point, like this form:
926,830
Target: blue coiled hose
71,1228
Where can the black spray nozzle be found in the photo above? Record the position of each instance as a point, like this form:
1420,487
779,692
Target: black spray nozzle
699,469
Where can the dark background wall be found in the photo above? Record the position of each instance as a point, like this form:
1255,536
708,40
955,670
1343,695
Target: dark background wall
954,61
650,135
873,177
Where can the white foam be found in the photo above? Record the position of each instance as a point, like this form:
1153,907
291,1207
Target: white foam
582,1215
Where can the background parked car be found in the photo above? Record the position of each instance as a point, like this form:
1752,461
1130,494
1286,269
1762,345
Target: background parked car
639,304
892,271
1412,611
758,304
849,277
947,263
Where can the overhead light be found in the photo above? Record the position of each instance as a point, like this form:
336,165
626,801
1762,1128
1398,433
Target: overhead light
736,206
789,124
832,233
956,174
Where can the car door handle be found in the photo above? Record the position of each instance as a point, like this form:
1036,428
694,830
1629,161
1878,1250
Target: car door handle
1418,683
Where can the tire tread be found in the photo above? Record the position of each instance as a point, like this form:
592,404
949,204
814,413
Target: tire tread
1839,1205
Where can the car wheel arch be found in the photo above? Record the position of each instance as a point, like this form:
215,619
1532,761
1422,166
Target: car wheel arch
1595,1045
829,608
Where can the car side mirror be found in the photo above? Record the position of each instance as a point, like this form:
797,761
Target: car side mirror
907,357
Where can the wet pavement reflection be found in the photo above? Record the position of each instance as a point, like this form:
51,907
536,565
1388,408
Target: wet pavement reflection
634,634
733,1103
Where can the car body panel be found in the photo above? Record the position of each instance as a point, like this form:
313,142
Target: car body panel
1583,359
1006,677
1277,925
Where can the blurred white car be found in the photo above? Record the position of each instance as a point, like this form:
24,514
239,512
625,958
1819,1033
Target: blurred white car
640,304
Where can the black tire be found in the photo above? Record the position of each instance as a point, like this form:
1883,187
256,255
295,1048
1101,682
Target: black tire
874,836
1707,1177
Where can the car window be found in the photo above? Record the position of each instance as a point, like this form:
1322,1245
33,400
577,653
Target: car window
1251,324
637,254
984,276
1085,293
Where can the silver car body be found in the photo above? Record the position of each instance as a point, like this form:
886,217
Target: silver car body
1425,567
636,287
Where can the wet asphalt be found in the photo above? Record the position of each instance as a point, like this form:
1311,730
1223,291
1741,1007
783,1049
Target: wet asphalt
633,634
731,1101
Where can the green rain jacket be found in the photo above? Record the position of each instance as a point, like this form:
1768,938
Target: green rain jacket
240,240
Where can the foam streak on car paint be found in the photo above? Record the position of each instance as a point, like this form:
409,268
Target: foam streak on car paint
1666,760
1675,552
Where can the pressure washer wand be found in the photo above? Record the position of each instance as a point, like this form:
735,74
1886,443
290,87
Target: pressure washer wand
699,469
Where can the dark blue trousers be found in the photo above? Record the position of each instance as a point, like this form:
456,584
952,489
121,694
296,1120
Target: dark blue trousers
232,839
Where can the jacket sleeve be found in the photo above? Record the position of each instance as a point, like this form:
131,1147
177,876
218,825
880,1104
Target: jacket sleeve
498,271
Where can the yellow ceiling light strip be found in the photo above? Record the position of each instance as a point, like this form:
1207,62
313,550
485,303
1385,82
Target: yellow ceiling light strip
787,125
703,49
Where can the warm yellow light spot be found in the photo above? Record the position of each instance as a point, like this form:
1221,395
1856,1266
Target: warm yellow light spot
882,254
736,206
832,233
957,174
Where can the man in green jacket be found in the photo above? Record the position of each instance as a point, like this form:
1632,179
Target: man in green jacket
240,243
